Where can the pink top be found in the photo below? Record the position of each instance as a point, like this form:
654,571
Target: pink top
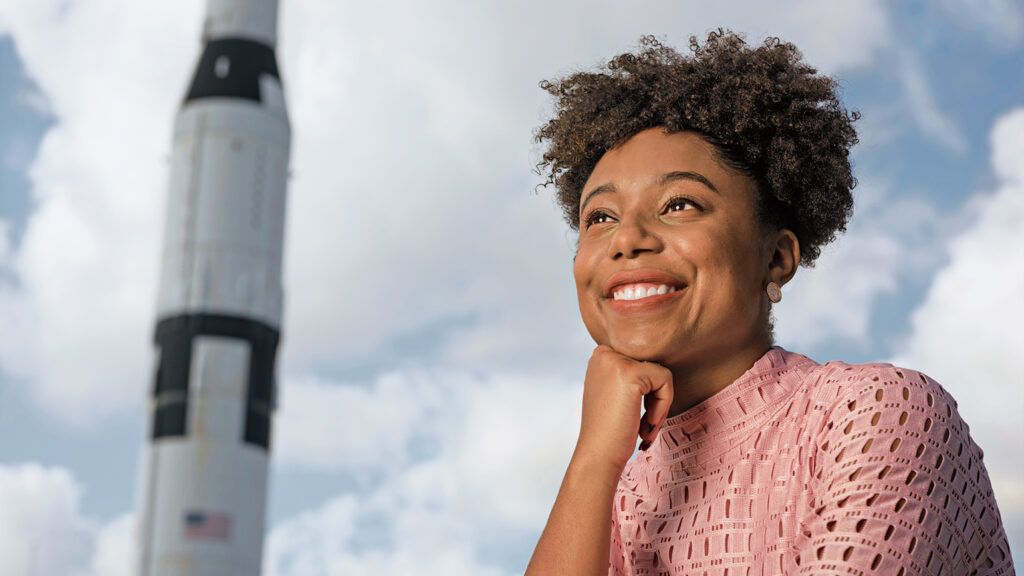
804,468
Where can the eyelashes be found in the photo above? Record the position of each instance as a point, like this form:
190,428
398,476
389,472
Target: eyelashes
593,216
675,200
599,216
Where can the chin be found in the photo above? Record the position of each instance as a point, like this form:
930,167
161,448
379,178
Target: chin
640,348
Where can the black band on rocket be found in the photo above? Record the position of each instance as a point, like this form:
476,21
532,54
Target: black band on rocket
174,337
231,68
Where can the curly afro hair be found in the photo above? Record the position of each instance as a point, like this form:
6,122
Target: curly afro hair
768,114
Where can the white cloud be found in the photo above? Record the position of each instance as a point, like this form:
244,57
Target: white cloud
917,109
5,245
824,32
504,443
1008,148
921,106
348,426
114,549
77,323
516,440
966,333
43,532
1001,22
323,542
888,240
496,434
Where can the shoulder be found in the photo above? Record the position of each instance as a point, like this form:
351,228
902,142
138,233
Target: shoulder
838,384
895,454
905,409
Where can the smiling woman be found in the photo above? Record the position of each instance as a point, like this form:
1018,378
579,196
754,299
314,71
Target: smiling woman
698,186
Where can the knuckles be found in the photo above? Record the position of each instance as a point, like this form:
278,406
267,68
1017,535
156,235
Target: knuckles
638,375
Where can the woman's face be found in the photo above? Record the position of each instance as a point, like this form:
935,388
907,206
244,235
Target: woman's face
661,214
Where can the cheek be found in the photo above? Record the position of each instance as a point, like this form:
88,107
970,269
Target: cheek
579,272
727,268
584,264
586,276
583,273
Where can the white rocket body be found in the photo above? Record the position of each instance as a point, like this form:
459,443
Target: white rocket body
203,480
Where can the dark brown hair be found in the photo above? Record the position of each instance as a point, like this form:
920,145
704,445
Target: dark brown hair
769,115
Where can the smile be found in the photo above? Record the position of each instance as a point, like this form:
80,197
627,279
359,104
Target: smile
641,291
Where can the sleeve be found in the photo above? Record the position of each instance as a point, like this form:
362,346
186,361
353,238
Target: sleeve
899,487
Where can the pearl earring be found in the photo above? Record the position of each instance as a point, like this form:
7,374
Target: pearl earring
774,292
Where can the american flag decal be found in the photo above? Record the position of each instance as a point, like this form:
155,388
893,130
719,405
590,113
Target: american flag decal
205,525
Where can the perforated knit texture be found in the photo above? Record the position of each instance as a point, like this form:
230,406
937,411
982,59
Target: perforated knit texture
807,468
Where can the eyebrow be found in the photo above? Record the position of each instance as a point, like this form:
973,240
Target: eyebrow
665,179
694,176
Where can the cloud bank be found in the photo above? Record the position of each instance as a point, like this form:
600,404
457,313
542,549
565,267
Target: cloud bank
966,333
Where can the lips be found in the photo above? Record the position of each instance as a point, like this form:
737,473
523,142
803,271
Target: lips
643,277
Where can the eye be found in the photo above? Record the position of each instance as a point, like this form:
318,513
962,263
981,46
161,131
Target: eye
597,217
678,203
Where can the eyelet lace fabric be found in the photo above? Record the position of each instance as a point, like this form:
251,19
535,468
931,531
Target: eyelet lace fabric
806,468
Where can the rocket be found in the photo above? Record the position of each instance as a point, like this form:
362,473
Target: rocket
202,481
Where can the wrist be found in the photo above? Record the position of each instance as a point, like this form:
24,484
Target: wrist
595,467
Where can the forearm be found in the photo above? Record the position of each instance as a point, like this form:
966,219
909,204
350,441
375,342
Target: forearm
576,538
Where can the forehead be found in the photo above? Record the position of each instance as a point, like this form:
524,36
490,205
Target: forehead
649,154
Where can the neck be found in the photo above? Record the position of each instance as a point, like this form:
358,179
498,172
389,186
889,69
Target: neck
698,379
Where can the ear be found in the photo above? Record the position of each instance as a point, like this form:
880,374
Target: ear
783,256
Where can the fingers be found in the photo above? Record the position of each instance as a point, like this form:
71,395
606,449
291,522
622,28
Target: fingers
614,379
657,402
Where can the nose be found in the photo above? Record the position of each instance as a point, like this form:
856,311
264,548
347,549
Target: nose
633,237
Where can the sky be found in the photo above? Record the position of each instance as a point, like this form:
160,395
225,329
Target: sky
432,357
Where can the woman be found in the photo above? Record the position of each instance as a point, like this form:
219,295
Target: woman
698,184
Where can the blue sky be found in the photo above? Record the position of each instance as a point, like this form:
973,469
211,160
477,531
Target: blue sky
429,293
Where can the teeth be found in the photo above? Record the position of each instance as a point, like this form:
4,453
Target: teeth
639,292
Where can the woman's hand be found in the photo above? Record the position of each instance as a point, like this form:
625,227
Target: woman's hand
576,540
614,388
